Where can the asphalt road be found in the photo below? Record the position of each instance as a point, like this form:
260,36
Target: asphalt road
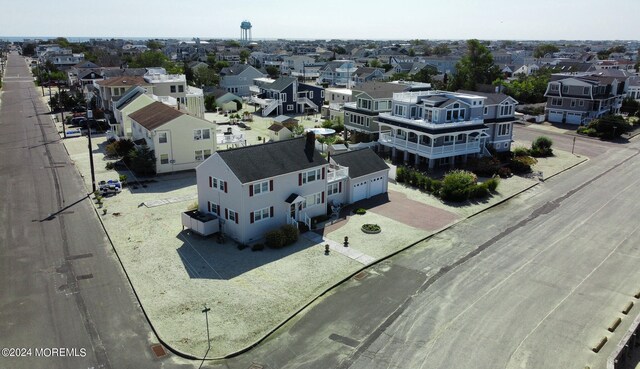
532,283
62,286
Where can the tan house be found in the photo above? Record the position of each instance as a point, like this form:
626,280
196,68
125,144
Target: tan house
278,132
179,141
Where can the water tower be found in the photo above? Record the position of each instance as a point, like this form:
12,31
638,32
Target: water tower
245,32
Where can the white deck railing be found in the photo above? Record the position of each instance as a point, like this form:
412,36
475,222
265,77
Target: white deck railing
462,148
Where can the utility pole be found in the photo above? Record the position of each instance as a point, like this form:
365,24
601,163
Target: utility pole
93,174
206,310
574,145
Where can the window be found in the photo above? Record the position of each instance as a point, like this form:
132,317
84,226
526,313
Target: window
565,89
261,214
399,110
310,176
199,155
212,207
205,134
447,139
180,88
585,91
553,87
173,89
290,107
162,137
504,129
311,94
261,187
506,110
312,200
283,97
333,188
573,103
164,158
556,102
581,103
216,183
201,134
233,216
486,110
207,153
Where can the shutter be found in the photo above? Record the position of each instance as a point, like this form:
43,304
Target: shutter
237,216
218,208
271,212
323,197
251,217
271,185
322,172
299,179
225,186
340,187
209,206
250,191
210,182
226,213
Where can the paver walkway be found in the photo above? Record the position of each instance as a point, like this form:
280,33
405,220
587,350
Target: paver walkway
349,252
171,200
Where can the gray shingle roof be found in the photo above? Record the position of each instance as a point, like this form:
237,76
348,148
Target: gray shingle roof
360,162
280,83
492,98
378,90
234,70
255,162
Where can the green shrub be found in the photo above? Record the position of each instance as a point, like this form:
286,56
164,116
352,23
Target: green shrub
485,166
119,148
479,191
123,178
521,164
492,183
457,184
371,228
610,126
110,166
427,184
275,239
401,174
360,211
541,147
257,247
290,233
520,151
436,185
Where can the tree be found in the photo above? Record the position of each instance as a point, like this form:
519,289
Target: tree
441,50
210,103
425,74
476,67
412,52
148,59
541,50
188,73
273,71
142,161
206,77
244,56
375,63
154,45
629,106
219,65
387,67
610,126
529,89
63,42
28,49
339,50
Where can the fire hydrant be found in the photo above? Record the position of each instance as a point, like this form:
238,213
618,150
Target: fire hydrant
326,249
346,241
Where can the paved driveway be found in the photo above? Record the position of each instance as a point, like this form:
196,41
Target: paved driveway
414,213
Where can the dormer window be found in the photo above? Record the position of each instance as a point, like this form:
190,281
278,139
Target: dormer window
565,89
553,87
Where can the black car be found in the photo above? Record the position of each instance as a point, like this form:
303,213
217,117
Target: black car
79,109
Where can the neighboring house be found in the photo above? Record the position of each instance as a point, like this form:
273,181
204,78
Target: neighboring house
442,128
110,90
633,88
286,121
132,100
238,78
175,86
226,101
83,73
278,132
577,98
289,184
336,98
288,96
179,141
369,100
367,74
338,73
499,115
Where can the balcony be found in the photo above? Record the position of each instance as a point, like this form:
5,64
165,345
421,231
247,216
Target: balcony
464,124
435,152
336,173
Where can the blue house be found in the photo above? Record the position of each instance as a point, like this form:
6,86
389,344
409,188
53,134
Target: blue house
286,96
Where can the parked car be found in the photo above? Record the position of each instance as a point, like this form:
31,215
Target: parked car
79,109
110,187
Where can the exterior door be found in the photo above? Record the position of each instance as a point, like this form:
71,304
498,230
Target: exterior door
293,211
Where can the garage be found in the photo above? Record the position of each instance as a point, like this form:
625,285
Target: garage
574,118
359,191
376,186
555,116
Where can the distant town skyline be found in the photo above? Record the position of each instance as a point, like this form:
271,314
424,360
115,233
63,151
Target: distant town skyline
331,19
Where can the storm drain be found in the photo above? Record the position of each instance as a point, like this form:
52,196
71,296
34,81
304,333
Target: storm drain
256,366
84,276
158,350
360,276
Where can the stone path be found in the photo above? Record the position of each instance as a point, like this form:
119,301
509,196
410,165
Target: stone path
349,252
171,200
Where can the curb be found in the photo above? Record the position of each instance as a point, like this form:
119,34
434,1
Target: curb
340,282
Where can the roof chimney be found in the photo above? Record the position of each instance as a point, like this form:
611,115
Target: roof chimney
310,145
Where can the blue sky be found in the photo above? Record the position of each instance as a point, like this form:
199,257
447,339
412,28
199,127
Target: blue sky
326,19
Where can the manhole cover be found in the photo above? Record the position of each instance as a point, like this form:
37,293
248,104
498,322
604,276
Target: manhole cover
158,350
360,276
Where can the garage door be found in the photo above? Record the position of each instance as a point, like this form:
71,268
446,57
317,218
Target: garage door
555,116
574,118
359,191
376,187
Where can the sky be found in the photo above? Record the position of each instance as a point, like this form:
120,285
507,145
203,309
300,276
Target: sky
326,19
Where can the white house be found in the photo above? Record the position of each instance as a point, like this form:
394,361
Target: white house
131,101
180,141
279,132
258,188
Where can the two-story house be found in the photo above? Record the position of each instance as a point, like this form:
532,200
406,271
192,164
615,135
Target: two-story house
179,141
338,73
577,98
290,184
441,128
110,90
367,74
175,86
132,100
369,100
238,78
286,96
